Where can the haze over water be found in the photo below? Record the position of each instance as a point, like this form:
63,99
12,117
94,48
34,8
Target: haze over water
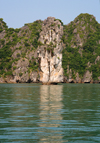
49,113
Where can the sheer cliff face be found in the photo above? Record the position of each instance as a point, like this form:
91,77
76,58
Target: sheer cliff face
50,51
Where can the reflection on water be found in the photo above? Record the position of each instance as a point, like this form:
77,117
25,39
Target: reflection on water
81,113
50,115
19,110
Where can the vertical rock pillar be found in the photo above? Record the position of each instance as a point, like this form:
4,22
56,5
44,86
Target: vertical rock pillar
50,52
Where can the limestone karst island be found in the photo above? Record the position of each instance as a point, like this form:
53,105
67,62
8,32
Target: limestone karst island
50,52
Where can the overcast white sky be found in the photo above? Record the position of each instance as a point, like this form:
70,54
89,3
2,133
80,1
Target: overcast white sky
18,12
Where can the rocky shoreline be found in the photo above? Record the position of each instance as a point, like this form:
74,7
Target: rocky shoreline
10,79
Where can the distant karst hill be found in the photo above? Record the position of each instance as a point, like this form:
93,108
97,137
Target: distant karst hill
50,52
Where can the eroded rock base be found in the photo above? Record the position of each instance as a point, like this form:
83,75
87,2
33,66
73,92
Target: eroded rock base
49,83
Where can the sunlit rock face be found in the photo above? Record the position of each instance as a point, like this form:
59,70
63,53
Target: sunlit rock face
50,51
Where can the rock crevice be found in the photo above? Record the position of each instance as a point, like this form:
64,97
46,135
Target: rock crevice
50,52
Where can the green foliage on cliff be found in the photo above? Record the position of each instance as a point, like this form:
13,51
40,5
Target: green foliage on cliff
81,39
82,45
3,25
35,28
5,58
72,58
95,68
24,39
33,66
59,21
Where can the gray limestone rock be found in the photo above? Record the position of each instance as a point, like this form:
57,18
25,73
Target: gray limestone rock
34,77
2,80
16,54
87,78
20,73
49,53
78,79
97,59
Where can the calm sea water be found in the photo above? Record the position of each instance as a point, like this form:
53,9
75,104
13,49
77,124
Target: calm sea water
34,113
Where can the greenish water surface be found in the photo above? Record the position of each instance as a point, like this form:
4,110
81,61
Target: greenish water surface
34,113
